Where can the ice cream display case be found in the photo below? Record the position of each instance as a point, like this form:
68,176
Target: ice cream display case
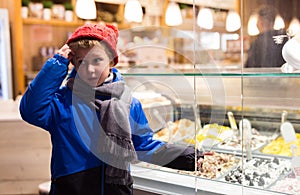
200,93
236,115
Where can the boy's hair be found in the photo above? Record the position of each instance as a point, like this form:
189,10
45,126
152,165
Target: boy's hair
106,34
89,43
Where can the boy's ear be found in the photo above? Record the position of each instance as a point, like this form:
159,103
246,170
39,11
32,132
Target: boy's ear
111,64
73,61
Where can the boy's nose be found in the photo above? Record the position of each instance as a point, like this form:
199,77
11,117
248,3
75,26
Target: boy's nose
91,68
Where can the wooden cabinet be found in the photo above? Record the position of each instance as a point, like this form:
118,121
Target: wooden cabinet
30,35
40,40
43,37
16,28
25,43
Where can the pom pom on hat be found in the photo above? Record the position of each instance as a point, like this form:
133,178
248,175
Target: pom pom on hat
107,33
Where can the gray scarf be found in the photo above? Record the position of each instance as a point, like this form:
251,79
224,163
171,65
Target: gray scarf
115,144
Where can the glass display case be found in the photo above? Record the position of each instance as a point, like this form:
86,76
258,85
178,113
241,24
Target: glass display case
207,124
200,93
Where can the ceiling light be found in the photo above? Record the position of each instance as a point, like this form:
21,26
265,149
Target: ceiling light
133,11
173,14
279,23
233,21
252,27
205,18
294,26
86,9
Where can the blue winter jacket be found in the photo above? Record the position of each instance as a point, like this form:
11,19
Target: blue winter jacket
70,121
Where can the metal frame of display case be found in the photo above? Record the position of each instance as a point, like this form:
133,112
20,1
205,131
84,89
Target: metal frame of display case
163,182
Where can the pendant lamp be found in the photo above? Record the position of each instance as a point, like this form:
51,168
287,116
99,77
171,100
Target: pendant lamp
86,9
133,11
294,26
252,27
205,18
233,21
279,23
173,14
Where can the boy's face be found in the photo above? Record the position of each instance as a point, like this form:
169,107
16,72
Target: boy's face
92,64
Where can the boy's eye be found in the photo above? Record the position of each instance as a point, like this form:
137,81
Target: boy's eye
94,61
97,60
81,62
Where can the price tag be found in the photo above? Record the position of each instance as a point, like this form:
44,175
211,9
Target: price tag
288,132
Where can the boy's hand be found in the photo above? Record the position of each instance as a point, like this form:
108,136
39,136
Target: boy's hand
66,52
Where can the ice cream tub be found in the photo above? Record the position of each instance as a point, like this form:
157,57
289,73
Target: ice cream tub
287,184
258,172
279,147
257,141
215,165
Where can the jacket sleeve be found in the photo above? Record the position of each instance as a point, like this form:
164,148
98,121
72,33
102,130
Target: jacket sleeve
177,157
155,151
37,106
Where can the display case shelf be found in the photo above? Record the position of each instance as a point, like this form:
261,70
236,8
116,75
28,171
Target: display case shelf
165,182
204,71
216,74
31,21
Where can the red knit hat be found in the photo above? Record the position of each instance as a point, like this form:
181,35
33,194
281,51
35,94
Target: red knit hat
107,33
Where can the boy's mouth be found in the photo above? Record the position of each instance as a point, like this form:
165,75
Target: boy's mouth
92,79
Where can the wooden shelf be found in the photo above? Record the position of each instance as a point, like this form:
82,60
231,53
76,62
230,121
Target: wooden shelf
31,21
112,1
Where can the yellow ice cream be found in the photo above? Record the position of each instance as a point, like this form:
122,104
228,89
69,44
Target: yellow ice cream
280,147
211,131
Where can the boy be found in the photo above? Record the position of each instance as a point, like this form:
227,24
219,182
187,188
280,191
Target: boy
97,128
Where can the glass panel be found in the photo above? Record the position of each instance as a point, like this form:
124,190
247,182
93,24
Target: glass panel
214,92
152,60
194,78
268,96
